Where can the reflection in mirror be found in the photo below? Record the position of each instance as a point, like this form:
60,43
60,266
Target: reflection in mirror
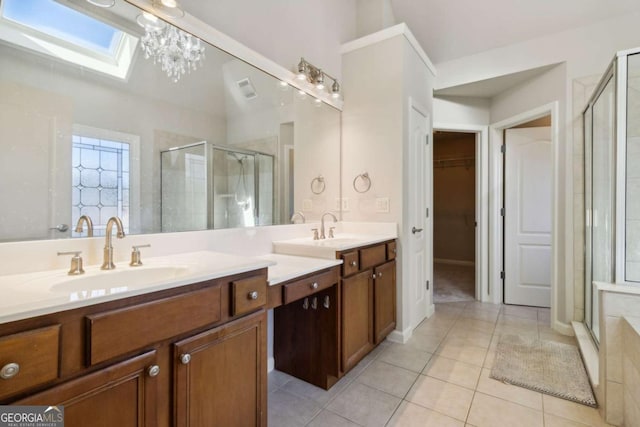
111,112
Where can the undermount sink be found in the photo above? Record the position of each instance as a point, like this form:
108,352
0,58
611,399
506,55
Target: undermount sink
324,248
97,282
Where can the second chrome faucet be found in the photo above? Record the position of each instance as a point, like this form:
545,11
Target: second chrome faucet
107,263
322,234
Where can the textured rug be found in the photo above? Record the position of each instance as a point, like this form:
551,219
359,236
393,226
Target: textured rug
545,366
452,283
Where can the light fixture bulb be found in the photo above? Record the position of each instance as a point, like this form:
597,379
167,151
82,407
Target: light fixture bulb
320,80
335,90
102,3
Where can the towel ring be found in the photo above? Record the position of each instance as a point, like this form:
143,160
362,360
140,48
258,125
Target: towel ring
366,181
318,185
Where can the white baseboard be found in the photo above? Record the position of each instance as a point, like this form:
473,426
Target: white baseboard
400,337
453,262
563,328
271,364
430,310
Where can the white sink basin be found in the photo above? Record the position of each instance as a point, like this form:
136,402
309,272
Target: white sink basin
325,248
118,279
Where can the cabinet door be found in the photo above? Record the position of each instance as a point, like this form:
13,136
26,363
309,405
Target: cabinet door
357,318
384,297
306,340
122,395
221,375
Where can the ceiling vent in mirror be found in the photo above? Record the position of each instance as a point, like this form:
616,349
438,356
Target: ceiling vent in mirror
247,89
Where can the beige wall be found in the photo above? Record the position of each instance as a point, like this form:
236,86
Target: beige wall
454,197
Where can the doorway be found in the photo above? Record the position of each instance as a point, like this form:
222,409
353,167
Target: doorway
454,215
527,213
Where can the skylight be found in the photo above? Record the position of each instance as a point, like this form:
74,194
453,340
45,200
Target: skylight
52,18
51,28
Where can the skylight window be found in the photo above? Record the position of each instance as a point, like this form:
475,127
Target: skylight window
51,28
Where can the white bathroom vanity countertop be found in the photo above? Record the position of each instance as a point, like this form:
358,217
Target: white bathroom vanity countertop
289,267
34,294
327,248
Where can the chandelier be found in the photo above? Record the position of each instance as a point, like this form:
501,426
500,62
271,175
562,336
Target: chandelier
176,51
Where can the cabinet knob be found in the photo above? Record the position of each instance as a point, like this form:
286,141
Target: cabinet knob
9,371
314,285
353,263
253,295
153,370
380,274
185,358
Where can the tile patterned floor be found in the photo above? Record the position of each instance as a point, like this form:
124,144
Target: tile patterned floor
439,378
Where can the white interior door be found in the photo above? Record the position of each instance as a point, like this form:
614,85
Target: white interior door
419,229
527,222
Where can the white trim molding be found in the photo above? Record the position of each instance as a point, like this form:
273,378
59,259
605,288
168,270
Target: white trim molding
388,33
495,191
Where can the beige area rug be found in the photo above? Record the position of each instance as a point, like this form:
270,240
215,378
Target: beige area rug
453,283
546,366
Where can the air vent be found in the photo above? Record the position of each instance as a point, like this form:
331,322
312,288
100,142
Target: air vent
247,89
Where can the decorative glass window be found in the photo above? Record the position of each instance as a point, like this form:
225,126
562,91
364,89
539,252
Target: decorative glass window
100,172
51,28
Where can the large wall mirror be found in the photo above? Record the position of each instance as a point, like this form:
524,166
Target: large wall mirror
108,111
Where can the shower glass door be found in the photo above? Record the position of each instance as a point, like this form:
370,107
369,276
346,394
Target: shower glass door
234,189
600,208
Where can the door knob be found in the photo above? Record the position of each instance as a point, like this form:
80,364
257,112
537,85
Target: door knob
416,230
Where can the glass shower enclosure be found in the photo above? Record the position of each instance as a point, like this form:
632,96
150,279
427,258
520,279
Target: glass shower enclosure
204,186
612,182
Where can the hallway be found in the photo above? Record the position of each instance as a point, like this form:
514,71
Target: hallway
439,378
453,282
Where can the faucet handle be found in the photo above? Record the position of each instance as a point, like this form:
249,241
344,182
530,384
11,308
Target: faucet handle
331,236
315,234
76,262
135,255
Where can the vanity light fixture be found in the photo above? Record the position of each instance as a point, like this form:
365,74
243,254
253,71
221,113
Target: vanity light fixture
171,8
102,3
176,51
315,76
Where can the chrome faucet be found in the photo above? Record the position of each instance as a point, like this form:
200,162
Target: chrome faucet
108,264
298,214
322,236
85,218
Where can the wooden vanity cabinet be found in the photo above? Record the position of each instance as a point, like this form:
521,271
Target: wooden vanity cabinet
306,337
368,300
120,363
221,374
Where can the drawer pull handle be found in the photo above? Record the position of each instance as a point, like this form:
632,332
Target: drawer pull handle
153,370
9,371
353,263
327,302
314,285
185,358
305,304
314,303
253,295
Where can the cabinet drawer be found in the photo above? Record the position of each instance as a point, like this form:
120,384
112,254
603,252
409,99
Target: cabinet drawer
391,250
351,263
304,287
29,359
370,257
248,295
117,332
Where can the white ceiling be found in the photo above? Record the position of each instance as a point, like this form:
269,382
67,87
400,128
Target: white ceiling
449,29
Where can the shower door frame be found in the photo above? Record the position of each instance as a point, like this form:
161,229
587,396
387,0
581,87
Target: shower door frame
618,71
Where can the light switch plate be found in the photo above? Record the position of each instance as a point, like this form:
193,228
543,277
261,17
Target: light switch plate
382,205
307,205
